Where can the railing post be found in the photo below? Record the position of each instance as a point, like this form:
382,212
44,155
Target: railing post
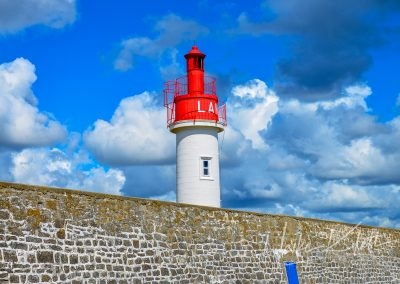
291,272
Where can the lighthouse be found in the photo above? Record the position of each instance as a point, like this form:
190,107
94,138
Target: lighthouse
196,118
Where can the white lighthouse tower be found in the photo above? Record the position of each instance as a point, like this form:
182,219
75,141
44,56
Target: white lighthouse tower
194,116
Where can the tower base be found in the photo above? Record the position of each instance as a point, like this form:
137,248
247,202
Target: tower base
197,164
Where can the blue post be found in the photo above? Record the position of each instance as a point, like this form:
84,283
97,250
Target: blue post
291,272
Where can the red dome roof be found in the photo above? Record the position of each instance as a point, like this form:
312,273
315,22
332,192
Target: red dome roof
194,51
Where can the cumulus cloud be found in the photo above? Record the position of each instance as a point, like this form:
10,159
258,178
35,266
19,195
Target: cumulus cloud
170,196
99,179
22,124
333,197
250,110
53,167
354,96
17,15
136,134
328,159
360,162
172,30
339,139
50,166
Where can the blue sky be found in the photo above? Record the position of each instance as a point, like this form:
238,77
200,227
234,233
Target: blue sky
312,91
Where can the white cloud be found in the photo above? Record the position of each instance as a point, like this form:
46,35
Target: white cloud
273,192
136,134
134,46
359,159
98,179
354,96
53,167
172,30
170,196
40,166
328,159
22,124
17,15
341,197
250,110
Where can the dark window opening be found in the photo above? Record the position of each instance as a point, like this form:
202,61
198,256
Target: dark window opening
206,168
198,63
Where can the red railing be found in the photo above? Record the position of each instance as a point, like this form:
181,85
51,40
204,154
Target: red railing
222,115
179,87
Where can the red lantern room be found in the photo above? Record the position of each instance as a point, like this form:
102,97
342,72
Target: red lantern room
195,71
193,97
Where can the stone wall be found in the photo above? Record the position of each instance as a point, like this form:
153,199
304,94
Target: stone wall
63,236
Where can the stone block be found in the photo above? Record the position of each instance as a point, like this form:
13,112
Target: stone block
149,253
118,268
136,243
31,258
45,256
127,243
4,215
13,279
84,259
56,247
100,266
146,267
50,241
11,238
33,279
73,259
33,239
46,278
61,233
59,223
260,275
10,256
19,245
90,267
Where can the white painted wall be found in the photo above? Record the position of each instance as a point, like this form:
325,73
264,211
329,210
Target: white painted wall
192,143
